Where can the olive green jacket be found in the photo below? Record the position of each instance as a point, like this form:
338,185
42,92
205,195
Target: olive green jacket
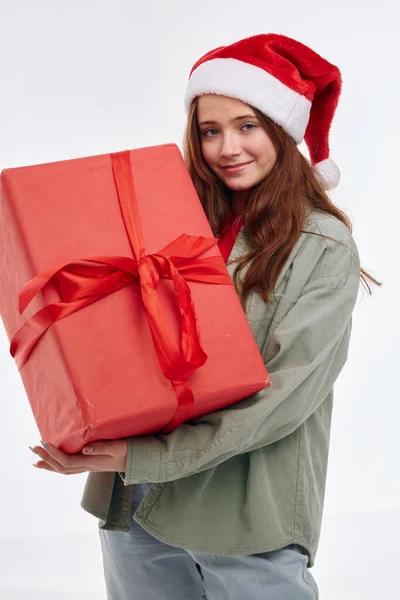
251,478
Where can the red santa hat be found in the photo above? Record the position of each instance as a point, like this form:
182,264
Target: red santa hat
287,81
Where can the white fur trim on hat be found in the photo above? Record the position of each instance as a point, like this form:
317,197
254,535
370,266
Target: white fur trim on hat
255,86
328,172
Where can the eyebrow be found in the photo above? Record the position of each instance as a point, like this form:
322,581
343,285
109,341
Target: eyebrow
235,119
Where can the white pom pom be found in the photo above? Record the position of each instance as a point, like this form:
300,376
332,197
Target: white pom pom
328,172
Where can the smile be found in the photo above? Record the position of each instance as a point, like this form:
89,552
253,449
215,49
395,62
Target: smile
233,169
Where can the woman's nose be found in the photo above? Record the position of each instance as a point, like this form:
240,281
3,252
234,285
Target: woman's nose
230,145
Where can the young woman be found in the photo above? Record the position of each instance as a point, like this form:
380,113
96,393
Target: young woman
229,506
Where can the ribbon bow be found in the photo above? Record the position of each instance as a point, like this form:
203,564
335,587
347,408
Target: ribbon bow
87,280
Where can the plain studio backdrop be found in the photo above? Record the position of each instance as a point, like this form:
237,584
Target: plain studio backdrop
89,77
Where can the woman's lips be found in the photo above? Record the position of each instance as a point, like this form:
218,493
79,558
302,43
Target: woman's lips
232,169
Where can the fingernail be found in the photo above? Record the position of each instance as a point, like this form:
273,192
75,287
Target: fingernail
34,451
44,445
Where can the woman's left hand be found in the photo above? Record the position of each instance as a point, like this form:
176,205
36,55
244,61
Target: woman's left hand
105,456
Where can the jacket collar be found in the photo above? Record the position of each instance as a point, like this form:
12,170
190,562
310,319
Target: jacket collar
242,246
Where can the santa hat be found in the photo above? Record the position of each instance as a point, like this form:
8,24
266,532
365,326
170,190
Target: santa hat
287,81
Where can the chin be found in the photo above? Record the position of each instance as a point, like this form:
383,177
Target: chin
238,186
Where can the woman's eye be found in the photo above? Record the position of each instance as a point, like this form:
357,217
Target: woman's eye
249,125
208,131
211,132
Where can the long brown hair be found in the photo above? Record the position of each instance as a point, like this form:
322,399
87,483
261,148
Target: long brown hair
273,226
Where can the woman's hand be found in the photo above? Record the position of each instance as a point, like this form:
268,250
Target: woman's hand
104,456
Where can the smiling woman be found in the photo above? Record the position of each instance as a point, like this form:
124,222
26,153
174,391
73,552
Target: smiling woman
229,506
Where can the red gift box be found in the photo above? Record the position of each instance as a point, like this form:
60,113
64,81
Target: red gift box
129,321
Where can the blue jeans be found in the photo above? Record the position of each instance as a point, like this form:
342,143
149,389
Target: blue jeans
137,566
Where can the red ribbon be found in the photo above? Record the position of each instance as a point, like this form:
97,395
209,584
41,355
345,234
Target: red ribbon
87,280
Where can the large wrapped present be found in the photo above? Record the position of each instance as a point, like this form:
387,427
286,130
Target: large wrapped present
122,317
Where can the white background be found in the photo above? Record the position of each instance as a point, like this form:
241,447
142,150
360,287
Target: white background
88,77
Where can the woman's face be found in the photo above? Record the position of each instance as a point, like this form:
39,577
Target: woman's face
231,134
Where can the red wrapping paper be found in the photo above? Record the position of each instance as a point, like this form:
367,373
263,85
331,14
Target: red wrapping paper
152,333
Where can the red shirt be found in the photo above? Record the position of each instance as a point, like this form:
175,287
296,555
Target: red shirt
230,232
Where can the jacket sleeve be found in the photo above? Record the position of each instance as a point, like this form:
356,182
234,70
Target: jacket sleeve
304,355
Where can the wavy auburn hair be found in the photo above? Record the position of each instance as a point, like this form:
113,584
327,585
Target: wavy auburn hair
275,212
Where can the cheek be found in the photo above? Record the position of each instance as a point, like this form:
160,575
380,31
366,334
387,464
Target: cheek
263,149
208,153
261,145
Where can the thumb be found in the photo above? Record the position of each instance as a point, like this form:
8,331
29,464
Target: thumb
108,448
94,449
